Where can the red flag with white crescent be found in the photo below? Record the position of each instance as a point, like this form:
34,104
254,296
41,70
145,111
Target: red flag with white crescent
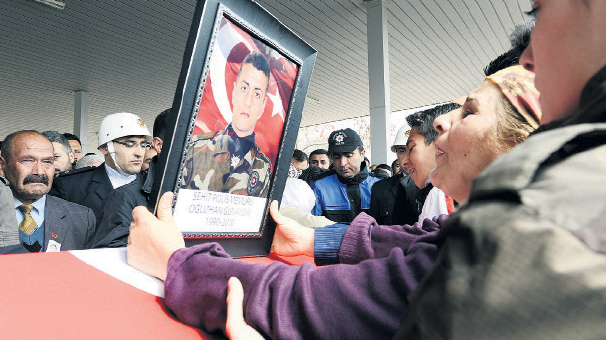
231,46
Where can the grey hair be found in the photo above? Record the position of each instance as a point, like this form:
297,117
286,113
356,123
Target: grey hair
56,137
89,160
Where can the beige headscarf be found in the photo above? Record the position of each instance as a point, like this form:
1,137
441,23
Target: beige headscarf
517,84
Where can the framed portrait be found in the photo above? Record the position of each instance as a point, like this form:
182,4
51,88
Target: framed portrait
236,114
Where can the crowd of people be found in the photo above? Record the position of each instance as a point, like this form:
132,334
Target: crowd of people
52,204
489,225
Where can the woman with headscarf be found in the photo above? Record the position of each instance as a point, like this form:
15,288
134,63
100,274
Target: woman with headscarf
525,258
366,300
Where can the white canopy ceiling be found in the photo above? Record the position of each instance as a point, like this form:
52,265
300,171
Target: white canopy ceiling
127,55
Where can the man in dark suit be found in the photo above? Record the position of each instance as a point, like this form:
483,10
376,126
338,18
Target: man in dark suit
392,200
9,235
116,213
122,142
45,223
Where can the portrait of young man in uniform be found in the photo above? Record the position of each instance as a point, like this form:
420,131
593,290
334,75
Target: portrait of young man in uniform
236,128
229,160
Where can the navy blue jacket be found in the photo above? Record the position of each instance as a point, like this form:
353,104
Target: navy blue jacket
393,201
87,186
116,213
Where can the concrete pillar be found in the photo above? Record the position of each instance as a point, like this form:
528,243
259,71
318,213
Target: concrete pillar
378,79
81,117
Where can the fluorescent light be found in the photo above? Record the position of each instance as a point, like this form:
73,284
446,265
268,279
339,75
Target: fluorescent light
52,3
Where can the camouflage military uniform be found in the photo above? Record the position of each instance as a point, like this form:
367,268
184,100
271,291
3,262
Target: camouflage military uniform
208,167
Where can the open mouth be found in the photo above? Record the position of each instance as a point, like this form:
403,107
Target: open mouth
439,150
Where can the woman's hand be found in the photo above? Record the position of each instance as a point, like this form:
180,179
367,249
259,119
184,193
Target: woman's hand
153,240
290,238
235,327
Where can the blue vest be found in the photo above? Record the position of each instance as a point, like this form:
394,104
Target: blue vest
333,201
30,239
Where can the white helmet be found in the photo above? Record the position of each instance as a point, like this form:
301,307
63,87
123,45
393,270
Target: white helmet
401,136
119,125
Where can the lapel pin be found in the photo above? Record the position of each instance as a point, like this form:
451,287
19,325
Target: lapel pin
54,235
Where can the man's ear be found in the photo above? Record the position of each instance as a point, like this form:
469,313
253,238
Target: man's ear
71,157
157,144
103,149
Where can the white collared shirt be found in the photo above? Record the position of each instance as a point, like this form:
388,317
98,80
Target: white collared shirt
117,178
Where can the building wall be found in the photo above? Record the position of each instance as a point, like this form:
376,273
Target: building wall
315,137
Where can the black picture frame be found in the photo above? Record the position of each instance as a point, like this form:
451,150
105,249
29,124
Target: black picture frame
263,26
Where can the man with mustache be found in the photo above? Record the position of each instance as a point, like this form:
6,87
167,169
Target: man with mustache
230,160
46,223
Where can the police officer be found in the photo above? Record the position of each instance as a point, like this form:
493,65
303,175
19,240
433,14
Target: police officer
343,192
123,144
230,160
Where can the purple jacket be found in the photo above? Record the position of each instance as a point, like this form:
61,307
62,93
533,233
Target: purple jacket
361,301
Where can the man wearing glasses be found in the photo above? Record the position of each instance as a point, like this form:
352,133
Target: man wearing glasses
123,144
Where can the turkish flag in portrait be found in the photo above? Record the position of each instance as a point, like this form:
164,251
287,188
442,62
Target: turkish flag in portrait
231,46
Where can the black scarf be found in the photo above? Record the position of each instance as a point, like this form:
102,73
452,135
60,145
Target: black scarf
239,146
357,179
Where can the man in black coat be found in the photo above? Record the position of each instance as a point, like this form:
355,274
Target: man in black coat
122,142
394,200
115,214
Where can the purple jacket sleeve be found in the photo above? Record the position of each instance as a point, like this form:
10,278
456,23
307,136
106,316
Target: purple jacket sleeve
365,239
363,301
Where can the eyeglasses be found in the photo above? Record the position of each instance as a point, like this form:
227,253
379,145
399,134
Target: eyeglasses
131,144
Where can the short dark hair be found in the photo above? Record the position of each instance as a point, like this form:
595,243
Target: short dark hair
519,39
321,152
423,120
300,156
7,144
161,122
383,166
71,136
56,137
258,61
501,62
393,164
